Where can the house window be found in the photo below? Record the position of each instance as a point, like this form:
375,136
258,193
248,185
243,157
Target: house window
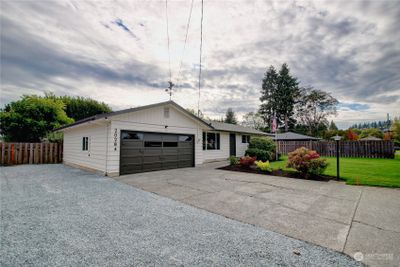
245,138
132,135
170,144
85,143
166,112
185,138
152,144
211,141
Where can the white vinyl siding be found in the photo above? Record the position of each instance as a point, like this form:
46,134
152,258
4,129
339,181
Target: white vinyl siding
94,157
240,147
218,154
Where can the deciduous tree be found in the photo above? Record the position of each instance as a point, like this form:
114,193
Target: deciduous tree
314,108
31,118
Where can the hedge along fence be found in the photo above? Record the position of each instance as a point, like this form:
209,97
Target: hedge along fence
30,153
361,149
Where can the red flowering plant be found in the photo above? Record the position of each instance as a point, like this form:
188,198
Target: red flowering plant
306,161
247,161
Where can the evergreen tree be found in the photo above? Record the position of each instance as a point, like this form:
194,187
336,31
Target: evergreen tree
278,96
230,116
333,127
268,96
288,91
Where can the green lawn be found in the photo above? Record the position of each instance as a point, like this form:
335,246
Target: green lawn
374,172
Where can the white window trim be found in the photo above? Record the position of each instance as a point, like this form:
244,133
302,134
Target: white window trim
217,145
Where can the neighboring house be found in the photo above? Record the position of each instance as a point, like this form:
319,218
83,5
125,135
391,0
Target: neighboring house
290,136
148,138
370,138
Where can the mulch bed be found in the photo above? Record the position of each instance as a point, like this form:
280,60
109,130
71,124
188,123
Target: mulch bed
281,173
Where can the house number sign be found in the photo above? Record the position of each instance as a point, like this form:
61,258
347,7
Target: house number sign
115,138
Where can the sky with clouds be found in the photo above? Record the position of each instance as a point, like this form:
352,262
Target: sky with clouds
116,52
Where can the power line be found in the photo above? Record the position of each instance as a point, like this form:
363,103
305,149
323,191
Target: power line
169,53
186,37
201,48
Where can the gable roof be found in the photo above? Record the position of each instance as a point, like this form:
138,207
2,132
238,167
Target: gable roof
294,136
111,114
228,127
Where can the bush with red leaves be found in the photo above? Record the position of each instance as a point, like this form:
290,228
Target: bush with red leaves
247,161
306,161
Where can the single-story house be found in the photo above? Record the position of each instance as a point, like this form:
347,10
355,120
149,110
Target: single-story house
148,138
290,136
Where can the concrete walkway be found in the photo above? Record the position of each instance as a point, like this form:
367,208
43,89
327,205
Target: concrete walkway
363,222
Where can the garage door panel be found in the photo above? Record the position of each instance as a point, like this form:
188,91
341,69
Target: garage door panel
170,165
152,166
132,168
186,145
131,144
132,159
184,164
142,151
169,158
152,137
152,152
170,151
152,159
169,137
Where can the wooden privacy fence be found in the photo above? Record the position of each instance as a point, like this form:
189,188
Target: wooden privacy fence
361,149
30,153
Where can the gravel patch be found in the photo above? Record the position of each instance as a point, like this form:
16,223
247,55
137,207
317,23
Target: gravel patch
56,215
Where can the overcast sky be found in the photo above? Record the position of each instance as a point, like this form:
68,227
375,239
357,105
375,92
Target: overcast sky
116,52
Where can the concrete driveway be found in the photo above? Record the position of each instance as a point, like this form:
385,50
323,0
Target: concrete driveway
363,222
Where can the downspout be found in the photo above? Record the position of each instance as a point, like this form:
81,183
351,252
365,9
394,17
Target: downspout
108,129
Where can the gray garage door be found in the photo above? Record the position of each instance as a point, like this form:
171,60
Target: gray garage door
142,151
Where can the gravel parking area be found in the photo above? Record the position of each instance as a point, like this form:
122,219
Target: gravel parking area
53,215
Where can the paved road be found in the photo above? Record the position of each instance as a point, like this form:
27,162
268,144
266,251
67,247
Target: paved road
52,215
345,218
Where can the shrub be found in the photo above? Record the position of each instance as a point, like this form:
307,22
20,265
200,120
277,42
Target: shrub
247,161
264,166
306,161
261,147
260,154
263,143
233,160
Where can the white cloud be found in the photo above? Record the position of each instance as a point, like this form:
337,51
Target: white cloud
348,48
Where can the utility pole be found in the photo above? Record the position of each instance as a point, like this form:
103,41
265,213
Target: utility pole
169,89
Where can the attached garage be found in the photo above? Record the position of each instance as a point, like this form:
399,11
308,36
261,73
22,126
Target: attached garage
150,138
144,151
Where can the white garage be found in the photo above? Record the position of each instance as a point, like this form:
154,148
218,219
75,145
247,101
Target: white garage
154,137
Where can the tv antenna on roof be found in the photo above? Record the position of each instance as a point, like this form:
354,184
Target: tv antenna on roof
169,89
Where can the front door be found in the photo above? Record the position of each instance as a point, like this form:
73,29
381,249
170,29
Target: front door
232,144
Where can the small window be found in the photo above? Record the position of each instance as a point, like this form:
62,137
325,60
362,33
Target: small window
152,144
185,138
131,135
85,143
170,144
245,138
166,112
211,141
